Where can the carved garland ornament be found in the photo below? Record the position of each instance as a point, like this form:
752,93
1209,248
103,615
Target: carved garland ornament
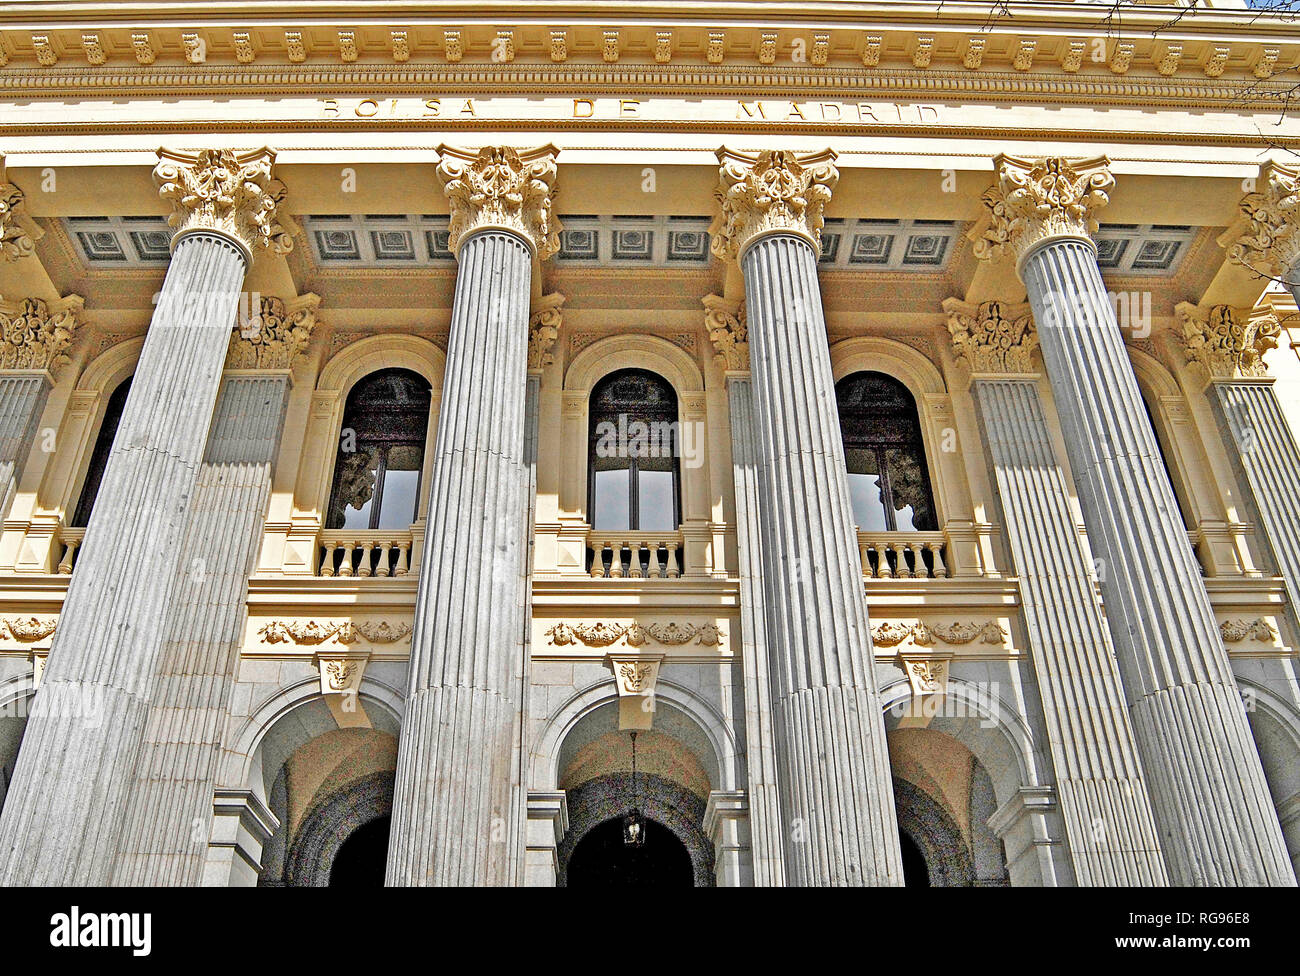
274,335
773,192
1037,200
544,329
28,630
502,187
1271,243
231,194
1259,629
312,632
728,332
604,634
992,337
894,632
1229,342
34,336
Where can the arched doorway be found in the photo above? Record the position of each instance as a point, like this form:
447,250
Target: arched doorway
360,862
602,860
915,872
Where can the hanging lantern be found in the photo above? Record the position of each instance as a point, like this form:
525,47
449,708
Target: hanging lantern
633,822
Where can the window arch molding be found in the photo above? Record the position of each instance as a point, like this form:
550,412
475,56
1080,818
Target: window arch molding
651,354
874,354
345,370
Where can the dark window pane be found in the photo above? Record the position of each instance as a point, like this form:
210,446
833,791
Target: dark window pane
401,486
99,456
868,509
910,490
632,452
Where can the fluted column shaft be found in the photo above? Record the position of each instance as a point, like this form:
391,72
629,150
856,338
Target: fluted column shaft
836,793
62,821
766,847
22,398
1270,459
1105,805
451,810
1212,805
175,772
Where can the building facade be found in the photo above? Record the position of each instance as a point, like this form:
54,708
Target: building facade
841,443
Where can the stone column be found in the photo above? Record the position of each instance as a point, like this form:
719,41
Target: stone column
63,820
170,811
1229,344
838,825
1269,244
1217,824
34,339
728,331
1109,827
454,819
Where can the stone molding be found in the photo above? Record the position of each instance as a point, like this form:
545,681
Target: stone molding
992,337
728,332
1270,243
543,329
1228,342
274,335
773,192
227,193
503,188
35,335
1035,201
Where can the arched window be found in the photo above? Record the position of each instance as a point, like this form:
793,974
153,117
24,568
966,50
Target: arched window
633,471
99,456
381,452
888,481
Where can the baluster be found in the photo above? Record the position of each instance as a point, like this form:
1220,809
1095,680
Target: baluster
385,548
65,564
327,563
346,568
656,564
900,568
863,551
940,571
634,570
882,562
616,560
401,569
367,550
598,560
673,571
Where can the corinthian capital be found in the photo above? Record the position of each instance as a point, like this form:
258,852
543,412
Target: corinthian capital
1271,242
271,335
727,329
1034,201
992,337
775,192
544,329
504,188
36,335
1229,342
232,194
18,232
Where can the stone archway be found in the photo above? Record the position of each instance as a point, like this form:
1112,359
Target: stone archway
669,804
935,835
330,823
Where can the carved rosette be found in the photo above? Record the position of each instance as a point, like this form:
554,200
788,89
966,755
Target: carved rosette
728,332
228,193
18,232
775,192
543,330
505,188
274,334
35,335
1229,342
992,337
1035,201
1271,242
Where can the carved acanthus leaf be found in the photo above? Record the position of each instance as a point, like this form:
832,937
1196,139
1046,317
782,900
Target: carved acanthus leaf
274,334
1038,200
34,335
18,232
1229,342
230,193
992,337
772,192
1271,243
544,329
728,332
498,186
